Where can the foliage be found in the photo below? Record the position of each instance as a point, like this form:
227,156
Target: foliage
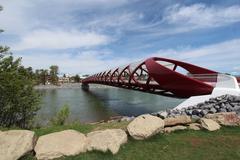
18,100
4,50
76,78
53,74
61,116
41,76
1,8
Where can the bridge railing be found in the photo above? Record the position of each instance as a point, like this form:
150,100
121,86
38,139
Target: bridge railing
217,80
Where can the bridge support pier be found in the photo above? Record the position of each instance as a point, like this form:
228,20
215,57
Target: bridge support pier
85,86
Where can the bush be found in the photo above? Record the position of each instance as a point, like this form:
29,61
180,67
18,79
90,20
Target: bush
61,116
19,102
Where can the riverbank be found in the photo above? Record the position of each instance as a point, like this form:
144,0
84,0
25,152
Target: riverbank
179,145
68,86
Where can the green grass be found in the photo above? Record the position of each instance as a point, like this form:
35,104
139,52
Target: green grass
223,144
83,128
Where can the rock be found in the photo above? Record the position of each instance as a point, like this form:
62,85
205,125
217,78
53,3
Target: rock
209,124
128,119
190,108
223,110
237,99
163,114
110,139
195,112
230,98
212,100
209,106
58,144
172,121
222,105
16,143
195,117
236,108
194,126
212,110
145,126
199,105
228,105
225,118
194,107
218,98
229,109
204,112
174,128
189,112
217,107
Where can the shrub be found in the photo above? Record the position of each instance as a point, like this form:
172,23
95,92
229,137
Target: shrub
19,102
61,116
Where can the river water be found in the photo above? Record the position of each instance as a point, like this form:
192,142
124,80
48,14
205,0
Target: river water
100,103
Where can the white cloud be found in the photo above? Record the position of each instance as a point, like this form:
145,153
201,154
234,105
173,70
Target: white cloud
182,18
19,17
223,56
85,62
58,39
229,48
201,15
123,21
237,68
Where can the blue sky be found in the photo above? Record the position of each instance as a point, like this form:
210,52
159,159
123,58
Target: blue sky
93,35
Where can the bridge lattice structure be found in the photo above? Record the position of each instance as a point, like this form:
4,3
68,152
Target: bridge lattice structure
159,76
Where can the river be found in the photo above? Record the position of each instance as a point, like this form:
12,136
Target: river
100,103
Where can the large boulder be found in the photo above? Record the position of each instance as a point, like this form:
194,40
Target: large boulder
194,126
209,124
58,144
172,121
174,128
145,126
16,143
110,139
225,118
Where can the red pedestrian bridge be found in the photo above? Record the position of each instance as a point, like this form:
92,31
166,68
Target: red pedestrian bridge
162,76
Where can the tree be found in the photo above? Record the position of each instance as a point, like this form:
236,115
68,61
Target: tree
18,99
44,76
41,76
1,8
77,78
53,74
4,50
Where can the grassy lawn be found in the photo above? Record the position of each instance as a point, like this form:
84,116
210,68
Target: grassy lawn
182,145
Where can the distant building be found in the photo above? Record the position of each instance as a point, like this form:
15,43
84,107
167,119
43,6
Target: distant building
83,76
63,78
67,78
